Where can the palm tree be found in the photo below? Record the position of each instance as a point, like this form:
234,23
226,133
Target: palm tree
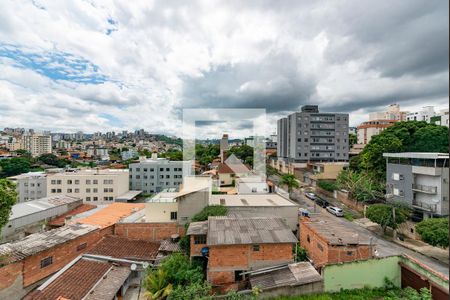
290,181
157,285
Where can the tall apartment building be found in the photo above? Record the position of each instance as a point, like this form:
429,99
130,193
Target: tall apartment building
37,144
91,185
310,135
392,113
419,180
156,174
30,186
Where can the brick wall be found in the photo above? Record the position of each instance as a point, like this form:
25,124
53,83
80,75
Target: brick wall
311,241
321,253
224,260
195,249
9,274
148,231
62,255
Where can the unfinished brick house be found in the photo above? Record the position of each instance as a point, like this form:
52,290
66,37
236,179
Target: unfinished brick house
328,241
234,245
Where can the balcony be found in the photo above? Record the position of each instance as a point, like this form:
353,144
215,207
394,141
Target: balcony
424,206
432,171
424,189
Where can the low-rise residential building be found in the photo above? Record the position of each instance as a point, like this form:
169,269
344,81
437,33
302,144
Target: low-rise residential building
252,185
31,216
328,241
314,172
30,186
236,245
370,128
420,181
441,118
91,185
129,154
259,205
156,174
425,114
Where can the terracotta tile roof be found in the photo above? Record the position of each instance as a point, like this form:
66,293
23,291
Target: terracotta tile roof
121,247
112,214
224,169
61,220
74,283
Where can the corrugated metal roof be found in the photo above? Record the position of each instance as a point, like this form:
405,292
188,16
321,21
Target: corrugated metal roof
334,232
232,231
30,207
196,228
38,242
291,275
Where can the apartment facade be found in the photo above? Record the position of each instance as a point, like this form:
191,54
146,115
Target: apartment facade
310,135
154,175
425,114
393,112
91,185
30,186
419,180
37,144
368,129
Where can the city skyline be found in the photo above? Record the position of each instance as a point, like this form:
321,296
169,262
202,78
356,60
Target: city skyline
117,67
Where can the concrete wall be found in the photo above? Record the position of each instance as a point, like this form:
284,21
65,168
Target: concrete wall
358,274
160,211
304,289
191,204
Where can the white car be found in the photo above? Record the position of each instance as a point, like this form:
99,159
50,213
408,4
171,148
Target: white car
335,211
310,195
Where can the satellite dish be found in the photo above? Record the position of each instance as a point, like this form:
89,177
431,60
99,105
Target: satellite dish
145,265
133,267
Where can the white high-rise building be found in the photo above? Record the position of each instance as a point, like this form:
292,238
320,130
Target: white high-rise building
425,114
37,144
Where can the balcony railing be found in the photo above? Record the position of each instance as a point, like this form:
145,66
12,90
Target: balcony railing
424,188
424,206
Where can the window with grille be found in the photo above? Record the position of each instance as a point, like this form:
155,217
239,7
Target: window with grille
199,239
46,261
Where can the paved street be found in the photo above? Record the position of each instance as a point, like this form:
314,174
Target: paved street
384,247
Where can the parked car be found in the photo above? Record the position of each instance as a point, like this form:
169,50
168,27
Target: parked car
310,195
303,212
322,202
335,211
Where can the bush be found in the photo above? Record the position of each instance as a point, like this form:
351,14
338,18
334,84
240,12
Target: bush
382,214
210,211
196,290
327,185
180,270
434,231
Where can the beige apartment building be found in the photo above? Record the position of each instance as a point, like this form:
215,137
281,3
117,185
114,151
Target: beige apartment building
37,144
92,185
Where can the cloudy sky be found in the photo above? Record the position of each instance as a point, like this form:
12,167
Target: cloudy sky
123,65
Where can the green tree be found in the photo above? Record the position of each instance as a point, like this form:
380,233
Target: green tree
210,211
361,186
180,270
8,197
383,214
157,285
196,290
327,185
53,160
15,166
352,139
412,136
289,181
434,231
300,253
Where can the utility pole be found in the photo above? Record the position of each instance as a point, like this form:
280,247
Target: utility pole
393,219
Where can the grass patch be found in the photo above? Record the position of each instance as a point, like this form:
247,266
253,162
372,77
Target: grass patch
348,216
359,294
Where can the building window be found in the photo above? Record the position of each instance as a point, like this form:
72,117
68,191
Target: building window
349,253
199,239
173,215
69,190
46,262
69,181
53,181
237,275
256,248
77,190
308,238
320,247
95,181
88,181
77,181
95,198
88,198
81,246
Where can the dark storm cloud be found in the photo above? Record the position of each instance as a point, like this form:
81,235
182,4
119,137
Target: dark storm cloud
275,84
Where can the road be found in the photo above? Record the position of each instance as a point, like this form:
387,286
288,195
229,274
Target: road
384,247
